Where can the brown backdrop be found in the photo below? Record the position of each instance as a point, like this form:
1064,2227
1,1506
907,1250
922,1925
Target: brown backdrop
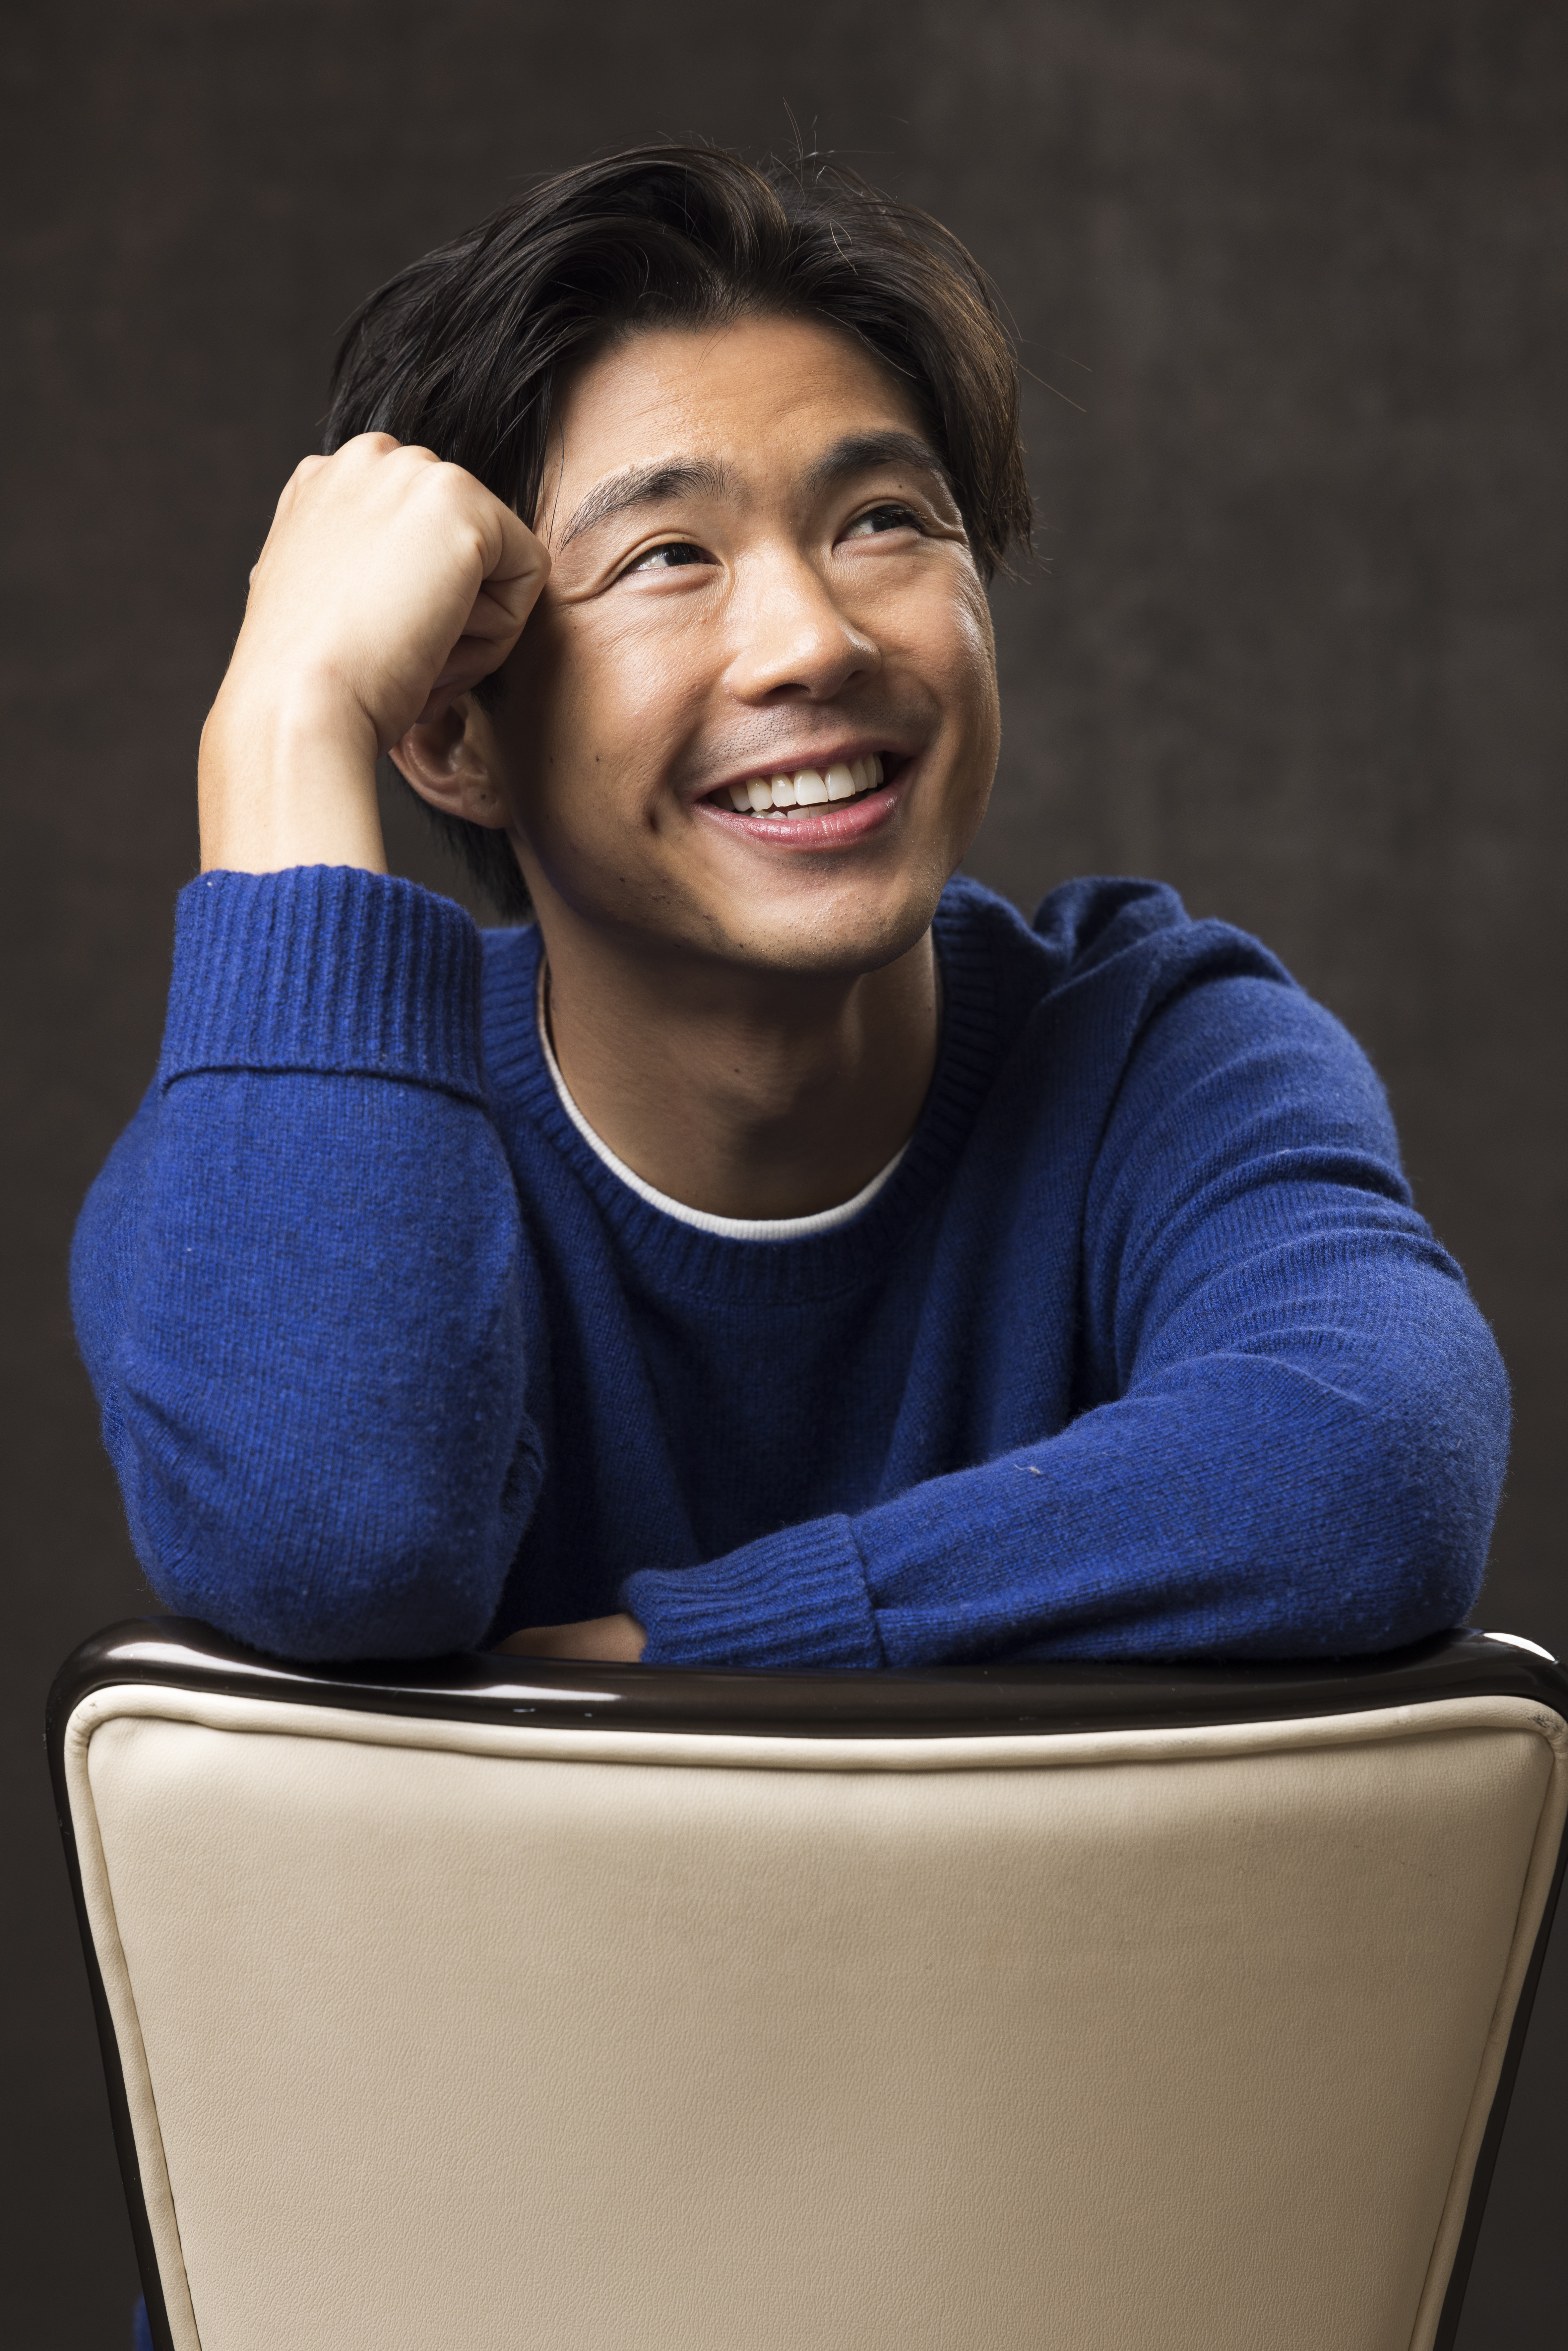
1289,281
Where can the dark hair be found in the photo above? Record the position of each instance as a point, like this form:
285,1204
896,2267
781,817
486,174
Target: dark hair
461,351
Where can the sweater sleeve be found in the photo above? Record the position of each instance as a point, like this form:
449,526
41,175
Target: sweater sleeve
296,1281
1296,1420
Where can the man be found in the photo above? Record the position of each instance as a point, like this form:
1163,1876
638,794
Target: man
778,1253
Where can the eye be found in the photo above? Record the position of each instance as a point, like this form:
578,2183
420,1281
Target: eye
674,553
877,519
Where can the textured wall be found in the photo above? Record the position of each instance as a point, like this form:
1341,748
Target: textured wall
1294,278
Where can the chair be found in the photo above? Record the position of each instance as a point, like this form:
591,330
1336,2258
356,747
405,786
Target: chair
504,2004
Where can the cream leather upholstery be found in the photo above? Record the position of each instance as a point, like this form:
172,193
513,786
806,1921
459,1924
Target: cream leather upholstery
495,2039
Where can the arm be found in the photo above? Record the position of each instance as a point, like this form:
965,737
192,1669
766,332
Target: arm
297,1282
1299,1426
388,585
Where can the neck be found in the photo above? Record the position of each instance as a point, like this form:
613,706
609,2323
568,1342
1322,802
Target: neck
754,1094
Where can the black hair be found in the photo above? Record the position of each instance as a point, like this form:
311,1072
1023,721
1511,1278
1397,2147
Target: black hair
463,351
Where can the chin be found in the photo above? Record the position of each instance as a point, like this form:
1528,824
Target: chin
840,936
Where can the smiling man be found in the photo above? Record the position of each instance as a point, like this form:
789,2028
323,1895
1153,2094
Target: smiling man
777,1252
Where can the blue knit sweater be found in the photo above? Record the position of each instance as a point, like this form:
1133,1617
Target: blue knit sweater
1142,1351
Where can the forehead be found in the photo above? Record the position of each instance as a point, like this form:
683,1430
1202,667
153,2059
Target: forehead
760,396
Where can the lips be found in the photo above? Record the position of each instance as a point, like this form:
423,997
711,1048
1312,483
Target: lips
812,808
789,793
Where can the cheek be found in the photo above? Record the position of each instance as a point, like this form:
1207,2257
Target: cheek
547,687
582,734
965,675
598,685
978,639
959,659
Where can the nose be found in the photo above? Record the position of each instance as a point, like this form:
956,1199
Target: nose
793,642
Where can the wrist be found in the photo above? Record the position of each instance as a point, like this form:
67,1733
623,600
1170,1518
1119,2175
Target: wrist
287,779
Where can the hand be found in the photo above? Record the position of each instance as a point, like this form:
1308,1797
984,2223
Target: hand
389,585
607,1640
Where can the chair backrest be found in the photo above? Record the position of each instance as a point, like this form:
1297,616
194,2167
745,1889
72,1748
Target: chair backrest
515,2005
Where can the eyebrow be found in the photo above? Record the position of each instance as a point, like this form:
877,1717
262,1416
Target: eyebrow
641,486
862,453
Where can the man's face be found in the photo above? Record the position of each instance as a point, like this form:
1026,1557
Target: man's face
760,572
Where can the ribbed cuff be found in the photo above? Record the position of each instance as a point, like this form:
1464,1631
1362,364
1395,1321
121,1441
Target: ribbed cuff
797,1599
324,967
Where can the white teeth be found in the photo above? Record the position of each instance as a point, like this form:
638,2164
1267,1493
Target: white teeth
808,788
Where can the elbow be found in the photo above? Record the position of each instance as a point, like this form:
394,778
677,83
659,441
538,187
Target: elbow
1428,1497
1400,1592
339,1574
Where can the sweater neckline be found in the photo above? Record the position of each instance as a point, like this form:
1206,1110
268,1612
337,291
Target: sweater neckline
674,1254
732,1229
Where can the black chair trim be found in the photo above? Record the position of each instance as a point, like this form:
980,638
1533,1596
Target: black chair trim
936,1702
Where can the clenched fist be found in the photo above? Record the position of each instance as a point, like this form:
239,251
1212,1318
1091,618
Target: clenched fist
389,583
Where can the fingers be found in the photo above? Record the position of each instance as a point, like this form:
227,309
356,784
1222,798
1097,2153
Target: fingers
303,473
512,563
609,1640
515,566
471,659
390,575
521,559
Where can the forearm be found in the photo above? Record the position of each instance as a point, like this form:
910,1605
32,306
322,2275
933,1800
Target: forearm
287,780
1242,1506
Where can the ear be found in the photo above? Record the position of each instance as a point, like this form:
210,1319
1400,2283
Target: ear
453,762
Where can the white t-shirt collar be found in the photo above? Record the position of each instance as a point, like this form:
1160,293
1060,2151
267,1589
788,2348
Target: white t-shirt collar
729,1228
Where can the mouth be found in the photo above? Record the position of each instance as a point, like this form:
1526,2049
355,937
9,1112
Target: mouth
793,794
813,807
